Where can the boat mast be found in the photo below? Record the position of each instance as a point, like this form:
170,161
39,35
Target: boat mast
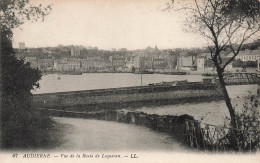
141,69
141,79
143,66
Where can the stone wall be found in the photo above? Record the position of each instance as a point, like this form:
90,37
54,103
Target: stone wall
141,95
184,128
173,125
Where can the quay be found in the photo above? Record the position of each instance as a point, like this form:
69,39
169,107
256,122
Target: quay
154,94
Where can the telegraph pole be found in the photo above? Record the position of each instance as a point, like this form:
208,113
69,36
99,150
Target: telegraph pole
141,78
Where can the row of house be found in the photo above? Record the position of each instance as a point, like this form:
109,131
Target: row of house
248,55
67,64
97,63
41,64
139,61
204,60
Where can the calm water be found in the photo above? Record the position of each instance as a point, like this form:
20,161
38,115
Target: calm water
212,112
215,110
50,82
97,135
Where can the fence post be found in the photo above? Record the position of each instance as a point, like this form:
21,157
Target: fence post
187,131
258,89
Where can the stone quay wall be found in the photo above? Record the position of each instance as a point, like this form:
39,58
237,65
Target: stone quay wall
128,96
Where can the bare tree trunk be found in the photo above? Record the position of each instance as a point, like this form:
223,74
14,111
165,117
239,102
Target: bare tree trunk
233,133
226,97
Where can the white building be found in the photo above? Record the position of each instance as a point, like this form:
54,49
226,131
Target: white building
247,55
185,63
66,64
201,64
129,62
21,45
75,51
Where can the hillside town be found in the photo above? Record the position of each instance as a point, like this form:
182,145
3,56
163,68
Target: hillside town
153,80
79,59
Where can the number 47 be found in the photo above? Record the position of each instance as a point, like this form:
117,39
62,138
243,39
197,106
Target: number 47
15,155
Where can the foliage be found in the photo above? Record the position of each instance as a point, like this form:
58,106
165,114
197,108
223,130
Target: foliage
251,64
239,63
16,12
248,124
246,10
251,46
21,125
194,52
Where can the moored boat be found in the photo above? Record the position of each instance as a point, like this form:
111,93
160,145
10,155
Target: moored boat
143,72
75,73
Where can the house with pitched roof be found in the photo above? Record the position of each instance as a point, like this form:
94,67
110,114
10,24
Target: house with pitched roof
45,64
67,64
247,55
185,63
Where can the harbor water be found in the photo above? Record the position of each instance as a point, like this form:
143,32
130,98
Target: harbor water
98,135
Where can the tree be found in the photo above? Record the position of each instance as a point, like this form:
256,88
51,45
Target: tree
16,12
223,23
21,126
251,64
194,52
238,63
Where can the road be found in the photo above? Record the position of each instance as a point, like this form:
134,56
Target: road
97,135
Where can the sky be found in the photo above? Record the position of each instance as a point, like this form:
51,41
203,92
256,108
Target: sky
107,24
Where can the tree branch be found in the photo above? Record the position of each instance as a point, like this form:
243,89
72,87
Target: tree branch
239,47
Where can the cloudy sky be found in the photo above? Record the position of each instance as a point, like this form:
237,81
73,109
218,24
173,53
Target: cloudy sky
131,24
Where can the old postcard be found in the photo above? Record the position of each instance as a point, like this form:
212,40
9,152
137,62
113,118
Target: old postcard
130,81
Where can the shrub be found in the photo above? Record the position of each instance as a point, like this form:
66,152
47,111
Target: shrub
248,122
21,126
